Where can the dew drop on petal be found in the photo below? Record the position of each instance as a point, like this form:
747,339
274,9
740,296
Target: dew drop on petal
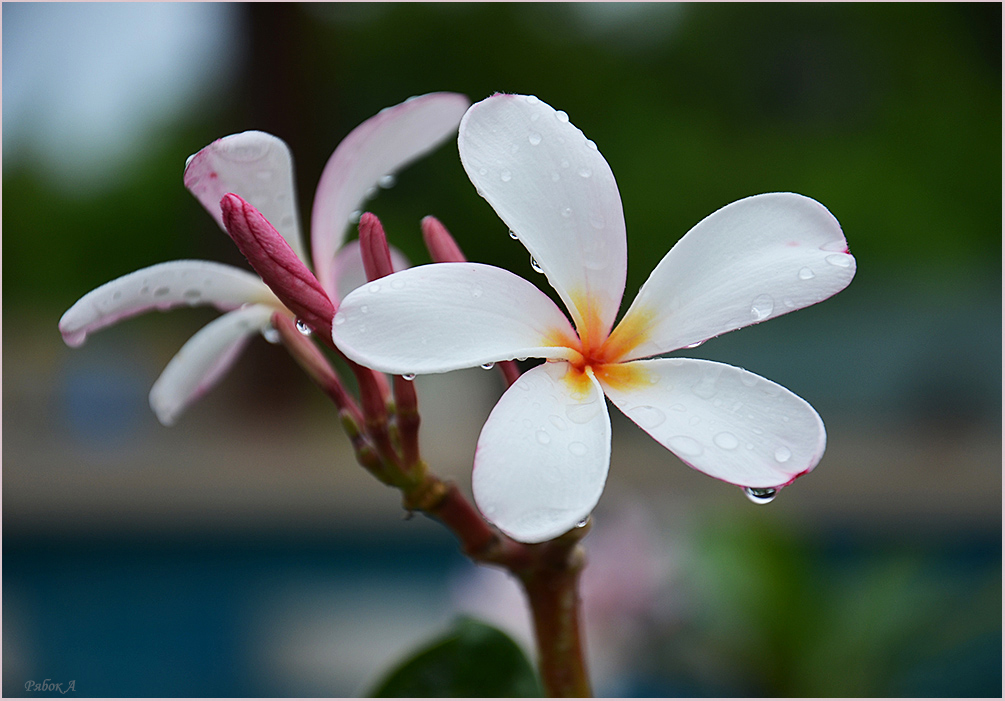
584,172
591,145
534,138
483,171
270,334
562,116
513,235
762,307
693,345
543,437
303,328
782,454
488,366
354,216
748,379
565,163
339,319
839,260
386,181
836,246
578,449
686,446
476,291
582,524
397,284
161,291
409,376
726,440
505,176
678,407
581,413
647,416
705,387
535,265
531,99
566,212
373,287
760,495
806,274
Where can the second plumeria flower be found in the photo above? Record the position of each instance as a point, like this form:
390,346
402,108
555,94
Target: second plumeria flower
259,168
543,455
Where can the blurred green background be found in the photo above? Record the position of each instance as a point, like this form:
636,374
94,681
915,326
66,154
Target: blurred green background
242,552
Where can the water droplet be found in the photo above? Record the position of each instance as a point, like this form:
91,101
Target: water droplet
270,334
647,416
339,319
488,366
397,284
582,524
483,171
582,412
789,304
591,145
543,437
726,440
578,449
685,445
678,407
584,172
534,138
806,274
566,212
565,163
532,99
705,387
161,291
408,376
693,345
760,495
562,116
762,307
476,291
386,181
535,265
303,328
374,287
364,309
839,260
505,176
782,454
522,359
513,235
354,216
749,379
836,246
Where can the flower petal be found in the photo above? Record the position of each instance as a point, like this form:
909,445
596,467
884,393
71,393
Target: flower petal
729,423
204,359
258,167
552,187
348,267
543,455
448,316
162,286
380,146
752,260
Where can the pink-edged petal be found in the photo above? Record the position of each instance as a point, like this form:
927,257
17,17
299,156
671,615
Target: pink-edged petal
272,258
722,420
162,287
378,147
204,359
447,316
555,191
348,267
543,454
258,167
752,260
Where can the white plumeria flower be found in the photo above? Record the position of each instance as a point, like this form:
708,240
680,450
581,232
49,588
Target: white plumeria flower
543,454
258,167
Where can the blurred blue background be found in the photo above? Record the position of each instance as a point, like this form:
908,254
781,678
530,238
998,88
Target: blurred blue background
242,552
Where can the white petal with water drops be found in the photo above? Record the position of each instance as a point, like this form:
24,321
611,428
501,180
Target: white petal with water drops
538,482
162,287
724,421
448,316
750,261
584,263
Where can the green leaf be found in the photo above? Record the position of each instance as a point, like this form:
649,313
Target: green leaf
473,659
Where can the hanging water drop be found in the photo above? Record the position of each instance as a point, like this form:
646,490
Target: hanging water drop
386,181
535,265
271,334
408,376
582,524
303,328
693,345
513,235
761,307
760,495
782,454
488,366
562,116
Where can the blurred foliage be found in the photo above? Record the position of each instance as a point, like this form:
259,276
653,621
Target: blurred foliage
773,613
472,659
887,113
